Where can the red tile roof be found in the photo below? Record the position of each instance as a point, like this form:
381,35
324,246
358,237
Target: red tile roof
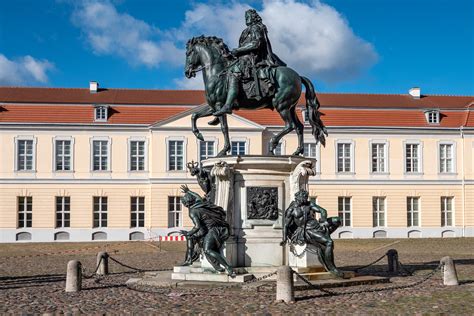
85,114
196,97
366,118
57,105
108,96
392,101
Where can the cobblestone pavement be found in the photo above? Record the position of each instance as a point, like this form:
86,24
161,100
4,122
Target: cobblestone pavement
35,284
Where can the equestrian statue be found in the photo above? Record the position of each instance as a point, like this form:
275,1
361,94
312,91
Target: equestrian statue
250,77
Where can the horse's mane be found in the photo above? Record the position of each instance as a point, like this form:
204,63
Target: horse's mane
213,41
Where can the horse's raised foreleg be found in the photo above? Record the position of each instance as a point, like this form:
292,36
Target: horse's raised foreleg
205,111
299,127
225,132
285,114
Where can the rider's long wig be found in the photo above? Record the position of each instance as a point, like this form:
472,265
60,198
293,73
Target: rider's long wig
254,17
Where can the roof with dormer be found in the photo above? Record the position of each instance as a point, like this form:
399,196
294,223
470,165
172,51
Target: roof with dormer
148,107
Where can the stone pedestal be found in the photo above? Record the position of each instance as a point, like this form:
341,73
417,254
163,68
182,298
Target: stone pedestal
243,184
299,258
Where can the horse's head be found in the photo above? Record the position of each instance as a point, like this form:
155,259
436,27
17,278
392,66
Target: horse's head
192,59
204,52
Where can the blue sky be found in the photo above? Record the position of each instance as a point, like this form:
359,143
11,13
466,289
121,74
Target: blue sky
361,46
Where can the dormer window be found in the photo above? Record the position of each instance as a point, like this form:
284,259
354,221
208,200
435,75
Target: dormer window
432,116
100,113
305,116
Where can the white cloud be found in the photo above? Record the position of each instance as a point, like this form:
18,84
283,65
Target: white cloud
24,70
110,32
195,83
225,21
314,38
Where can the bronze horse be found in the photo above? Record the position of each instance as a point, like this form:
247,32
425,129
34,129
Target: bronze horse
212,56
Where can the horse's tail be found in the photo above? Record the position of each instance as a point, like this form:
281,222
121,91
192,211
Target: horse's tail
312,111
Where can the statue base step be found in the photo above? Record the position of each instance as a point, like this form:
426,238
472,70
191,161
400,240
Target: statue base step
316,276
197,273
313,269
164,279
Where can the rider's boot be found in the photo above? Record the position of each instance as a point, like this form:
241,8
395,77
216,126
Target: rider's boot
214,121
232,93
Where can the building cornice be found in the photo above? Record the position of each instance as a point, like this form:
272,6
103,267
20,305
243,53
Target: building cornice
182,180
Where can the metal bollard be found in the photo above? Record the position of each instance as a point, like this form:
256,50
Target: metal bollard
392,257
74,276
103,263
450,276
285,291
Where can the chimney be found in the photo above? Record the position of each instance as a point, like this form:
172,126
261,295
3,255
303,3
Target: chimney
93,86
415,92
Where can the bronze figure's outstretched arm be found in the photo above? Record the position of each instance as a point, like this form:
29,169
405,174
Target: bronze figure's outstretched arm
318,209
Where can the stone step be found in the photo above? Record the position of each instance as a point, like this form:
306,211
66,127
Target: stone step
188,269
238,270
357,280
211,277
312,269
325,275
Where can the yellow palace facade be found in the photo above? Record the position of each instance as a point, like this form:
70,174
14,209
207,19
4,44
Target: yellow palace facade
107,164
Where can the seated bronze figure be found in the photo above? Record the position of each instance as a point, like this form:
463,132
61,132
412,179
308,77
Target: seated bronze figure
301,227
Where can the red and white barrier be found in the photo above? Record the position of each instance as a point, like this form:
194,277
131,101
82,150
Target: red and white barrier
172,238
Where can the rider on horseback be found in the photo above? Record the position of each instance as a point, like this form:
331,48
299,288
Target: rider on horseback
255,58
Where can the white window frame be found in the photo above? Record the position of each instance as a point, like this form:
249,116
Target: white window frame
175,211
207,139
100,211
351,155
62,211
109,153
420,157
241,139
386,151
185,146
453,157
410,211
433,114
318,154
24,211
136,212
343,218
304,116
376,212
129,154
99,107
444,211
33,163
63,138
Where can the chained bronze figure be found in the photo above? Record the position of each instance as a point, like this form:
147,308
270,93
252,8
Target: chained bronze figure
209,233
301,227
